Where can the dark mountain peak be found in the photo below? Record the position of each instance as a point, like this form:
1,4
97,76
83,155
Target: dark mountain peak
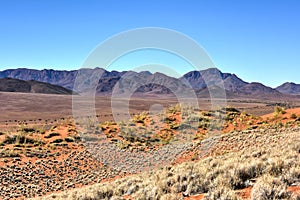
159,74
289,88
32,86
211,71
256,88
193,74
213,76
146,73
163,78
289,84
257,84
234,75
51,70
199,73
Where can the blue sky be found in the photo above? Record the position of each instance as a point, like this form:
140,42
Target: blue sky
257,40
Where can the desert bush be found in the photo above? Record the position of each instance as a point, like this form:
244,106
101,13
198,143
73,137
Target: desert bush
230,116
222,193
9,153
28,129
69,139
20,138
73,130
123,144
243,173
276,166
269,187
279,110
41,131
52,134
293,116
105,192
230,109
204,125
216,125
53,128
174,109
291,176
58,140
207,113
175,126
194,118
140,118
9,139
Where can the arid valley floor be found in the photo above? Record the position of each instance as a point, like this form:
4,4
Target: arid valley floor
249,149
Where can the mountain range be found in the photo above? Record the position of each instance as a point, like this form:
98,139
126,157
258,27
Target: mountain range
32,86
128,82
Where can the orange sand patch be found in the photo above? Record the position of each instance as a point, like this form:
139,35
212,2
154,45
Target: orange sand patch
286,115
245,193
295,189
186,157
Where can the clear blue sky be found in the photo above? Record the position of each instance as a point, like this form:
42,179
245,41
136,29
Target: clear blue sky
259,40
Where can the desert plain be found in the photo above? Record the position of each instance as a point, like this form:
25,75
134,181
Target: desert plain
247,149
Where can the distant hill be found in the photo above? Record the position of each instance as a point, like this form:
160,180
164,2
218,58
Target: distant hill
289,88
234,86
148,83
56,77
203,82
16,85
213,76
258,89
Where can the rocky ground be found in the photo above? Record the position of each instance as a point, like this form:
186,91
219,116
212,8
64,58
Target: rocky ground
36,163
23,179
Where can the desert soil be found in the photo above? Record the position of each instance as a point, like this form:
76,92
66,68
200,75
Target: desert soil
54,167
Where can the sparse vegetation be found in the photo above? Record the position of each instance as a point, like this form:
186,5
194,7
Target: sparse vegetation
52,134
293,116
20,139
9,153
59,140
225,146
69,139
279,110
269,168
268,187
140,118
